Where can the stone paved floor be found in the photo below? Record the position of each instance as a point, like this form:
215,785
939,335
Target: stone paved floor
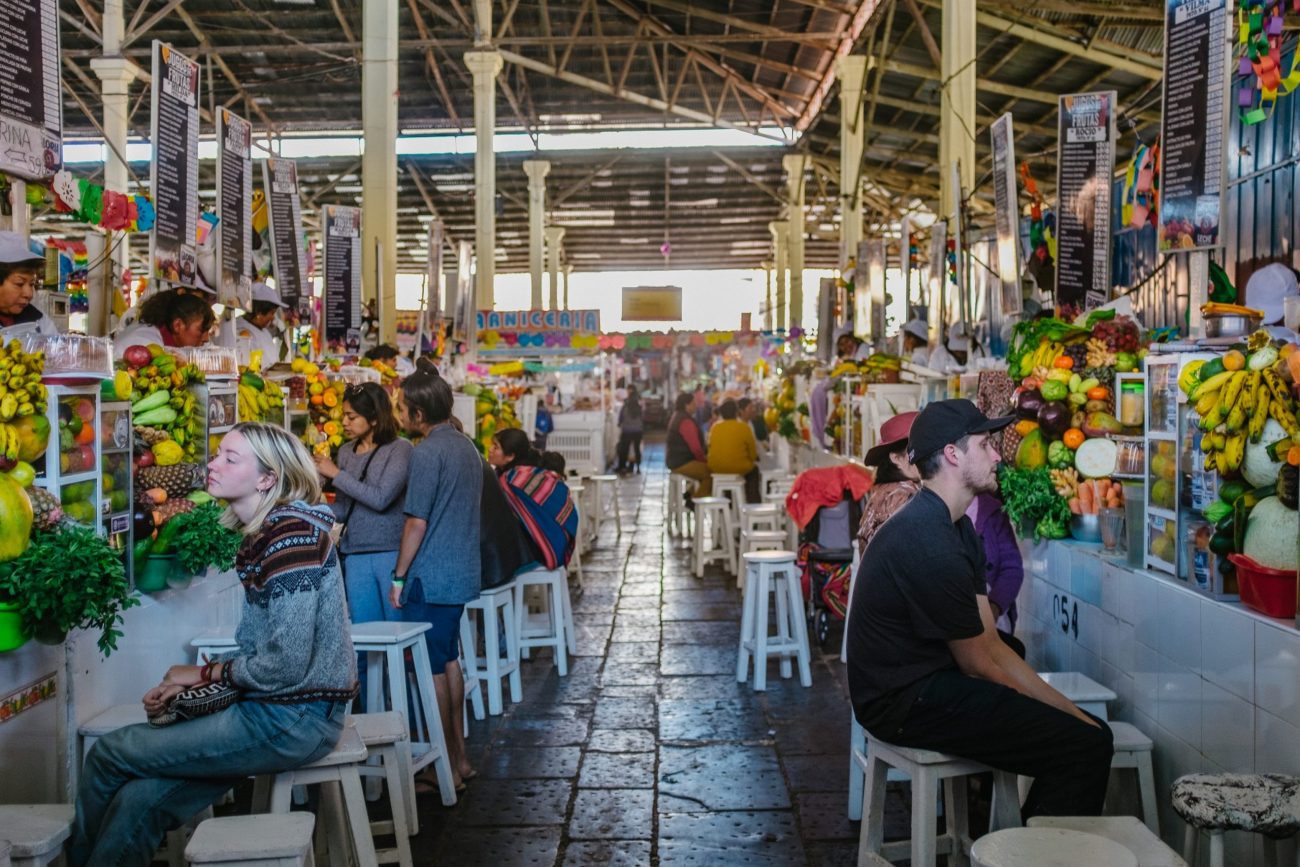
649,752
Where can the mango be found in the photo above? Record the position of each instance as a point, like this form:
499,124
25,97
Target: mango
1032,452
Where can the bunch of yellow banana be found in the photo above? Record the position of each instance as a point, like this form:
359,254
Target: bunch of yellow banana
1280,405
9,443
1227,404
1214,308
1045,355
21,392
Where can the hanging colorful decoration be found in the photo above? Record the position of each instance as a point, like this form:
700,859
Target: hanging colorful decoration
1259,60
1141,196
93,204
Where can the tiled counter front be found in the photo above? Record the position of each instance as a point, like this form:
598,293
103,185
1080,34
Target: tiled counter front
1216,685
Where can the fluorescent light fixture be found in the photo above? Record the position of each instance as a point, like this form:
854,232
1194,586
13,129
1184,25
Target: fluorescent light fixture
583,255
634,242
735,221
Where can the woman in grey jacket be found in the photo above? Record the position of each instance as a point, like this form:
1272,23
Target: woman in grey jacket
369,492
294,666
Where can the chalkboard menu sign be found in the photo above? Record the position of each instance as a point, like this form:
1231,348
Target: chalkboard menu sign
1084,169
1193,123
284,212
342,226
174,172
31,106
235,208
1006,212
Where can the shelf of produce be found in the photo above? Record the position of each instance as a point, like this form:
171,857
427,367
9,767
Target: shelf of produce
89,476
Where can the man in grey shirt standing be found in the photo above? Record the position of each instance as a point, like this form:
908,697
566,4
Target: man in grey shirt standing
438,562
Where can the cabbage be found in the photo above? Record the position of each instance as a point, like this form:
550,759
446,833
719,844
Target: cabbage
1271,534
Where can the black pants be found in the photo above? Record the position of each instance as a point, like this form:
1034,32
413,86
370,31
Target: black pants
753,486
628,443
990,723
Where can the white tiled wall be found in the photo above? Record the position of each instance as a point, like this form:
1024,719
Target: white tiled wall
1215,685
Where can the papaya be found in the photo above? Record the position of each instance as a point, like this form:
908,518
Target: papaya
33,437
15,519
1032,453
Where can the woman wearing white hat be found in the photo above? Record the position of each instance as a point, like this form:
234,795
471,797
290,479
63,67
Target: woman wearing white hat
255,325
916,342
21,271
959,350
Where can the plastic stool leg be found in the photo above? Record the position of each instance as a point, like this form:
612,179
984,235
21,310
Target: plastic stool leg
437,738
746,632
800,625
923,821
492,658
397,794
872,837
512,654
760,629
354,803
857,776
1147,790
784,633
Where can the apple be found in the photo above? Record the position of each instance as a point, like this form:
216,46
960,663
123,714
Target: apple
146,459
137,356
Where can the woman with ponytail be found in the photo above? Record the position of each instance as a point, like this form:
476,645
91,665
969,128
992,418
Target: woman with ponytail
540,499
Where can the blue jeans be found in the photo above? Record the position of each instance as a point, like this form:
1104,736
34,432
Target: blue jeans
140,782
368,578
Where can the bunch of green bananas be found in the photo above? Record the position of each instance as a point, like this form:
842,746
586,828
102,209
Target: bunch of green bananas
21,391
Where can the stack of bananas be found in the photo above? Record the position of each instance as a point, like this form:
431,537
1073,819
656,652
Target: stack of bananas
21,392
259,400
1044,356
1233,406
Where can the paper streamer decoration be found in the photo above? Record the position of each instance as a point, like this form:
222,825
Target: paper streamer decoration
91,203
1260,25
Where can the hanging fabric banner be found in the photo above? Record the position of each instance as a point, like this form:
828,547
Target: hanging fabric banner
174,170
1006,201
234,242
1085,168
1194,122
31,104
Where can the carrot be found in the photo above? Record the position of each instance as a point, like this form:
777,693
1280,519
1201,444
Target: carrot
1113,503
1076,508
1085,497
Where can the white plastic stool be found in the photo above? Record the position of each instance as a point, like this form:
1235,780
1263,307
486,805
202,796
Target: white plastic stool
385,737
212,642
772,572
775,478
759,540
254,841
558,633
713,524
385,643
493,603
679,517
579,494
1127,831
731,486
928,770
342,765
35,832
601,484
1133,750
1046,847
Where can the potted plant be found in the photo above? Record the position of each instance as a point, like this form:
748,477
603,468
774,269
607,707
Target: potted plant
187,545
68,578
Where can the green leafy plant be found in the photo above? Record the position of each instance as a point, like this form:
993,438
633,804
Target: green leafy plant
200,541
69,578
1029,499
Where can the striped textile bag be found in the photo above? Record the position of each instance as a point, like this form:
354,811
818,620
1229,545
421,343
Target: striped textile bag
541,500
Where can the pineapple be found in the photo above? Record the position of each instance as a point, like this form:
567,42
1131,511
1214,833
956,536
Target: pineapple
46,510
177,480
1010,444
170,509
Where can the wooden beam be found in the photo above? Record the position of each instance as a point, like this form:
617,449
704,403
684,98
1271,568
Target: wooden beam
431,62
866,9
135,33
926,36
742,24
749,176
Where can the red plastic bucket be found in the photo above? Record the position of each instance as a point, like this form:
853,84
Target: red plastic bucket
1269,591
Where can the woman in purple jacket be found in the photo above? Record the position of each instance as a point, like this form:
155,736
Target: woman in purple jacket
1006,569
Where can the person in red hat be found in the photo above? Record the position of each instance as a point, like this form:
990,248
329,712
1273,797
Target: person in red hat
897,480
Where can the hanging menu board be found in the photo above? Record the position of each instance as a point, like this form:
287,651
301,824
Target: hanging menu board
1084,169
938,277
284,214
235,208
1193,123
174,172
1006,212
31,106
342,227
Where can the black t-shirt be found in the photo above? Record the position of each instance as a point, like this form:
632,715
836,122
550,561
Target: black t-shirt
915,591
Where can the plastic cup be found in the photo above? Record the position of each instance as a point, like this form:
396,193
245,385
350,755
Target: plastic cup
1112,529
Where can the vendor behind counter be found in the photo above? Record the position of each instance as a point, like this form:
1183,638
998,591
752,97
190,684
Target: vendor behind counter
21,271
169,318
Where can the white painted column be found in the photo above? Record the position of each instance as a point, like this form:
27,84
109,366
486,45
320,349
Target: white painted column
485,64
379,161
769,302
554,240
795,164
957,101
780,237
537,171
115,74
852,71
568,272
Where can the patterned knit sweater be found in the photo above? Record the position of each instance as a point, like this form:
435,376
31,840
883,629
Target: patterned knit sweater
295,643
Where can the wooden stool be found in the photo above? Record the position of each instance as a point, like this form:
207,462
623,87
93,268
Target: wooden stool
732,487
927,770
342,766
758,540
678,515
1260,803
559,633
35,832
385,737
493,602
254,841
1035,847
760,516
212,642
575,493
385,643
1133,750
1127,831
772,572
601,484
713,524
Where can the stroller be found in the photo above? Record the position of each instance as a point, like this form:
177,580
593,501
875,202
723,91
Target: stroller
825,553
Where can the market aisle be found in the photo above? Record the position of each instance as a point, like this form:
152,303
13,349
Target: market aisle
649,751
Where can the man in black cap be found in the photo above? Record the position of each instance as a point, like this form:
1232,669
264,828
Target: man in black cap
926,666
